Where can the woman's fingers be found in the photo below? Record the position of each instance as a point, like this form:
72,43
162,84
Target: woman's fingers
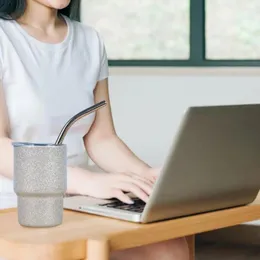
136,190
144,185
141,178
156,172
120,195
128,182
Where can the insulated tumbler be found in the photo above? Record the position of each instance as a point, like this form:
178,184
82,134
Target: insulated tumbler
40,177
40,182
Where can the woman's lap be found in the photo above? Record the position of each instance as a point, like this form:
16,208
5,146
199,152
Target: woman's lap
169,250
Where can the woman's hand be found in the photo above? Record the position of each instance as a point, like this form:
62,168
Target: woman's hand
151,173
112,185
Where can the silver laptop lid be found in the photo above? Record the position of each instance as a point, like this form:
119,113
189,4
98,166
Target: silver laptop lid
214,163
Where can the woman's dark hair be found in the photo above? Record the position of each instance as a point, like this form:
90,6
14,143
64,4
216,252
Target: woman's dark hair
13,9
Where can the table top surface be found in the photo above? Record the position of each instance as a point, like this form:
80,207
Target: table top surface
82,227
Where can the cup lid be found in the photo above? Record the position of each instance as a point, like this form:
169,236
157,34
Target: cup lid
19,144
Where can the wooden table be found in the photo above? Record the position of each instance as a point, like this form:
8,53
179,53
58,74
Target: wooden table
87,237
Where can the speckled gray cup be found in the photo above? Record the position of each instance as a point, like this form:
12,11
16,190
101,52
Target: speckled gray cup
40,182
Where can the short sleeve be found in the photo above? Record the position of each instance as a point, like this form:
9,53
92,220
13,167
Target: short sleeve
104,72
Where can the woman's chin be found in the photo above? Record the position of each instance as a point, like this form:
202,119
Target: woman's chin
58,4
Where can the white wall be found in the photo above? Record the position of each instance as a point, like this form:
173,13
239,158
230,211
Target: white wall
148,104
147,109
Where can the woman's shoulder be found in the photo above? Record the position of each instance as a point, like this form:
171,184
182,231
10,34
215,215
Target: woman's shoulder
89,32
83,26
5,24
5,30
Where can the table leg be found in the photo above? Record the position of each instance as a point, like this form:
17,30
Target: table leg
98,250
191,244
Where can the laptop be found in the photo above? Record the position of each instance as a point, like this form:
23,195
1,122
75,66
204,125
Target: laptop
213,164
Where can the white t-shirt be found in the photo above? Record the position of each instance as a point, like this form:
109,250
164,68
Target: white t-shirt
46,84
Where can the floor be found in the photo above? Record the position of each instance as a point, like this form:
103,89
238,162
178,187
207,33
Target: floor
209,251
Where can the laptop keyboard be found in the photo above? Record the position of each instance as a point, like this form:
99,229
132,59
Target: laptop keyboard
137,206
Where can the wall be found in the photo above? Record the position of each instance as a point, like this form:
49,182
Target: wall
148,104
148,108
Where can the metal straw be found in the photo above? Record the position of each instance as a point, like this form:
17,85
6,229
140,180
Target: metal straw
75,118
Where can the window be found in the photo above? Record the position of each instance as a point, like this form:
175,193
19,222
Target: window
232,29
141,29
177,32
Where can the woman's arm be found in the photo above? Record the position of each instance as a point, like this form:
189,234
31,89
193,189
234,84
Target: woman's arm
103,145
6,150
79,181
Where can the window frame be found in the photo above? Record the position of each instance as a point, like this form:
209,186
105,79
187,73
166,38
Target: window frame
197,47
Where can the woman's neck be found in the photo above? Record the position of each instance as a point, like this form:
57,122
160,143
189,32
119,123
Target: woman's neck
39,16
43,23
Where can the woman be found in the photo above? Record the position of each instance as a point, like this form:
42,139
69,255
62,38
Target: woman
51,67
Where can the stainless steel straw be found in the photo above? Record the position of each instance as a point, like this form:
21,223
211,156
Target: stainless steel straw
75,118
